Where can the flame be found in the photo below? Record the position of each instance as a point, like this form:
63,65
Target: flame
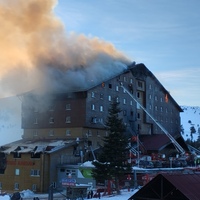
35,49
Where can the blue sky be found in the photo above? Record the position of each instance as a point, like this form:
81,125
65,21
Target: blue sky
162,34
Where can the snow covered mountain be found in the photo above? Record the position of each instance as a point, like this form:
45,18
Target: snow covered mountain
190,120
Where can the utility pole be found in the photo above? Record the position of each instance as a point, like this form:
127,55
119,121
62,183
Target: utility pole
50,197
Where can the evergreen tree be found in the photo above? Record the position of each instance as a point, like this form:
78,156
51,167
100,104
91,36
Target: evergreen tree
113,163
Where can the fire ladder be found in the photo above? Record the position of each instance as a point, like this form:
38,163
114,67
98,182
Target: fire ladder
175,143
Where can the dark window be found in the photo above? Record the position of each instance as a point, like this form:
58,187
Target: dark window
16,155
131,113
62,170
110,85
35,155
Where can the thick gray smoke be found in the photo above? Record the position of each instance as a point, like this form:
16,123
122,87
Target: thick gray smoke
37,53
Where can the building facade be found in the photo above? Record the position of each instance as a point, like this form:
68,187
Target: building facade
67,128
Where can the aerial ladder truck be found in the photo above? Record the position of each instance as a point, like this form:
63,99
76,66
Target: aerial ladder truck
174,142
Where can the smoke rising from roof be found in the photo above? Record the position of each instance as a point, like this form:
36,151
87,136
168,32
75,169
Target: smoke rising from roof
37,52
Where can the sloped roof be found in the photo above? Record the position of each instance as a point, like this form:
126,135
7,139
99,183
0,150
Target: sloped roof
155,142
88,85
171,186
158,142
144,70
36,146
188,184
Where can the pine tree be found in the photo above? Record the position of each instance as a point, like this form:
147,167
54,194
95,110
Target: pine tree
112,163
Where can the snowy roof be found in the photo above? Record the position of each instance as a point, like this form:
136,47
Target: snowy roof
36,146
87,164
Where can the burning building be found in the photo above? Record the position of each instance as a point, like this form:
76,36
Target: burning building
67,82
68,128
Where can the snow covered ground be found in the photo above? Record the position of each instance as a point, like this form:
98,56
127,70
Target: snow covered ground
125,195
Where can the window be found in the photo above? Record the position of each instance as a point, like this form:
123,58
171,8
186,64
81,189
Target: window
138,115
101,120
34,187
150,87
101,96
68,119
156,108
138,95
110,85
94,120
93,107
161,109
117,99
51,133
109,98
16,155
140,85
16,186
124,101
35,155
124,112
125,78
68,132
150,106
131,81
35,172
51,120
117,88
92,94
161,99
98,135
35,133
150,96
17,172
68,106
156,98
131,102
101,108
89,133
131,113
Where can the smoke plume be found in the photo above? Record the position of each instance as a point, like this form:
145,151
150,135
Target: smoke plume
36,52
